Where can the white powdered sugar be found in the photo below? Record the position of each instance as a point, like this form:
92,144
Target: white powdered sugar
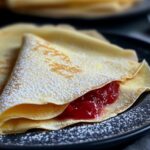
136,118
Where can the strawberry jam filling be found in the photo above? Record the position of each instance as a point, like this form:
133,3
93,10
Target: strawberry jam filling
90,105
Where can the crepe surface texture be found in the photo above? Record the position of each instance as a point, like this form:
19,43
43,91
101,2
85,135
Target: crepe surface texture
55,66
71,8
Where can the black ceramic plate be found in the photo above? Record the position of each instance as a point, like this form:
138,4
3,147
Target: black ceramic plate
143,6
131,123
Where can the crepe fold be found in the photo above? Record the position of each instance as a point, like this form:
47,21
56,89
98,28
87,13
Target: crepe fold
65,8
63,65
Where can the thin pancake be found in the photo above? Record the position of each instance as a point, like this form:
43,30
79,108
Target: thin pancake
44,71
64,42
11,37
130,91
65,8
62,3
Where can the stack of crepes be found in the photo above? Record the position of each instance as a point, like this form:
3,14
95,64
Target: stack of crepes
65,8
49,76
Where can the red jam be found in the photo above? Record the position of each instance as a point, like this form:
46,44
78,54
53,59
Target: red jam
91,104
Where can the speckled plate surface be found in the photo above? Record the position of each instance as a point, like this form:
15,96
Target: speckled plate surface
131,123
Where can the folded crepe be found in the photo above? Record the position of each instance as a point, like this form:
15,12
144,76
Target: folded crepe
57,73
11,39
65,8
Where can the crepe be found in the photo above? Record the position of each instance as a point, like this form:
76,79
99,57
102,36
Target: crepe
11,39
130,91
10,43
70,8
49,74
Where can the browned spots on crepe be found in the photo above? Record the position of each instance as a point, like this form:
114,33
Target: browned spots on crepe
53,52
67,70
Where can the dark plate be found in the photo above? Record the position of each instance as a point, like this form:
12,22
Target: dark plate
129,124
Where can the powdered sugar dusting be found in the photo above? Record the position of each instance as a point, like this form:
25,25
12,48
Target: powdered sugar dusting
36,81
124,123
